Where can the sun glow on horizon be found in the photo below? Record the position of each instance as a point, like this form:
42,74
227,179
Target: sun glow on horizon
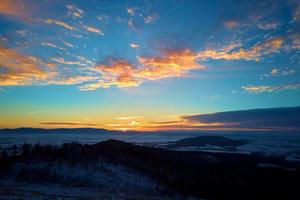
115,65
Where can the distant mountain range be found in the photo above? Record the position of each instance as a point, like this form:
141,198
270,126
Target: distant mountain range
58,130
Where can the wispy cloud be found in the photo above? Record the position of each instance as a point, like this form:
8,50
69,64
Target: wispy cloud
231,24
60,23
254,53
172,64
67,44
75,11
134,45
35,112
49,44
128,118
274,72
20,69
72,80
281,72
67,124
62,61
22,33
176,63
94,30
131,11
271,88
268,26
121,73
296,16
295,38
151,18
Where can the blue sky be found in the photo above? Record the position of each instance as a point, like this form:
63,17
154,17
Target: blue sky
129,64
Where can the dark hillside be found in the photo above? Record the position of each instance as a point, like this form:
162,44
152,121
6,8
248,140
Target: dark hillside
199,174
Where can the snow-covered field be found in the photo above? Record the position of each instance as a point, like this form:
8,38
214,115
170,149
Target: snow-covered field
63,181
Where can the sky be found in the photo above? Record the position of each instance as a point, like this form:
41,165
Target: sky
140,65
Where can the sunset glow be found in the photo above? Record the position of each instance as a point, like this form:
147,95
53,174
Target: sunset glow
145,65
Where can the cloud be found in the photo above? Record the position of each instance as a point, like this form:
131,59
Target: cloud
132,24
172,64
75,11
35,112
296,16
62,61
19,69
134,46
271,88
274,72
268,119
268,26
22,33
295,41
67,124
49,44
92,86
283,72
128,118
231,24
151,18
94,30
67,44
253,53
73,80
59,23
12,7
121,73
131,11
287,72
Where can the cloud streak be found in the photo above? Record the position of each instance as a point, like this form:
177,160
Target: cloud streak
254,53
75,11
19,69
60,23
121,73
268,119
67,124
94,30
271,88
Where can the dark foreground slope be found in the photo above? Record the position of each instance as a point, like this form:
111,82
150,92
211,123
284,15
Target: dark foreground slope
199,174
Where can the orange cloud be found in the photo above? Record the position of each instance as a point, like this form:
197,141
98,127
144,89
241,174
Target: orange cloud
59,23
172,64
254,53
67,124
19,69
134,46
94,30
121,73
230,24
12,7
